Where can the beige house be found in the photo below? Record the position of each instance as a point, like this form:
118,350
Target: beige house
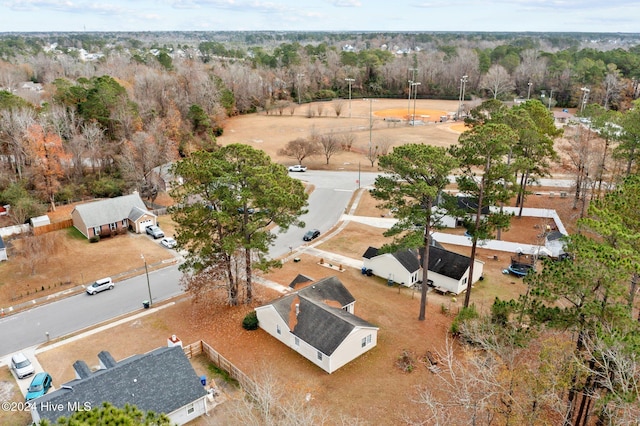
318,322
113,215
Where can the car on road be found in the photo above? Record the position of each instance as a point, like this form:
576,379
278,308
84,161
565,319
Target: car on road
311,234
155,232
298,168
168,242
100,285
21,365
39,386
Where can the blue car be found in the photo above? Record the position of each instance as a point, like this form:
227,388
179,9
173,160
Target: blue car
39,386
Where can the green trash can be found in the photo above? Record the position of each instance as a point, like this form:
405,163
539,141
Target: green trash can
146,304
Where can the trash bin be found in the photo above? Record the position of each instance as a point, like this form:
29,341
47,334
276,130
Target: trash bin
146,304
203,380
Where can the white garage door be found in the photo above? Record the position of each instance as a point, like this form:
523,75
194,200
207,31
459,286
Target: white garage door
144,224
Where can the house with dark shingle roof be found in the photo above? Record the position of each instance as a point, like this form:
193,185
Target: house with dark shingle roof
112,215
448,271
318,322
162,381
3,250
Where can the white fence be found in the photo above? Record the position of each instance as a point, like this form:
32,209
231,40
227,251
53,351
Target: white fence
15,229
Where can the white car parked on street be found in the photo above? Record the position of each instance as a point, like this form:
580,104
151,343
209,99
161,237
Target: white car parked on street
298,168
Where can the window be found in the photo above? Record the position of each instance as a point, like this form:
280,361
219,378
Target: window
96,230
319,356
190,409
278,329
125,222
113,226
296,341
464,281
366,340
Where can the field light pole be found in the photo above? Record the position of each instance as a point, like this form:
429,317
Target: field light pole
413,78
585,98
349,80
415,95
463,83
146,268
370,124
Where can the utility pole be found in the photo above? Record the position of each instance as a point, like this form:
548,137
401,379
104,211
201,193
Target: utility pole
413,78
529,90
415,95
146,268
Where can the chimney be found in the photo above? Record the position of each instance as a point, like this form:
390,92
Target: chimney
82,369
174,341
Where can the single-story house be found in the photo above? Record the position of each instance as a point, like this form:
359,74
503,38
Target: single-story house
112,215
162,381
3,250
318,322
448,271
554,242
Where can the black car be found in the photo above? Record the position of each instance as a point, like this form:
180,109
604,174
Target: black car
311,235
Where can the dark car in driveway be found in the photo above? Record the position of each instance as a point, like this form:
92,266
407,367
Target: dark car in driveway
311,234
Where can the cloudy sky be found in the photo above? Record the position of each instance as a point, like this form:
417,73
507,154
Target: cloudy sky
321,15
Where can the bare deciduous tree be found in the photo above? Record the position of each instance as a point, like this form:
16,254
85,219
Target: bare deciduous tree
497,81
300,149
330,145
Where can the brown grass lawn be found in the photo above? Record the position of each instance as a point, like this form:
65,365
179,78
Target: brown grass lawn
372,381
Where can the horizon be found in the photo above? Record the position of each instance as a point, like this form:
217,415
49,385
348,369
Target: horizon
332,16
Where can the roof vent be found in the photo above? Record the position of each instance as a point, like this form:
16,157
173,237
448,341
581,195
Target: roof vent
297,309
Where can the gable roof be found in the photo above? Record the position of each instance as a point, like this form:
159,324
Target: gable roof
111,210
136,213
162,381
325,327
299,279
408,259
370,252
554,235
319,318
448,263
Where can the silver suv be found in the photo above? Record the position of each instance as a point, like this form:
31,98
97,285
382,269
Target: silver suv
155,232
21,365
100,285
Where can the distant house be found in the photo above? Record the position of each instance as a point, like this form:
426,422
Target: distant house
318,322
112,215
162,178
448,271
555,243
3,250
162,381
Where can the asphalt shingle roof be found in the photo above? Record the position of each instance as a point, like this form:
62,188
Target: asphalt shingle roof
111,210
162,381
321,321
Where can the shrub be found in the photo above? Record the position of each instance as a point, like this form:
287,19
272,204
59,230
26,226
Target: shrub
464,315
250,321
94,239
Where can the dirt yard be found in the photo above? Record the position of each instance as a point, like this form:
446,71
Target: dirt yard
372,377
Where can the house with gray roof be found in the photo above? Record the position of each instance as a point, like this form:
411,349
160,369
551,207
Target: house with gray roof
3,250
113,215
162,381
448,271
319,323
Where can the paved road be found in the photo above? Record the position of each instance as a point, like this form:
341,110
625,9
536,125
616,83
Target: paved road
327,202
74,313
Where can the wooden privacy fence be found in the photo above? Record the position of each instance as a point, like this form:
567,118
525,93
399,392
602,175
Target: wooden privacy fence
222,363
39,230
